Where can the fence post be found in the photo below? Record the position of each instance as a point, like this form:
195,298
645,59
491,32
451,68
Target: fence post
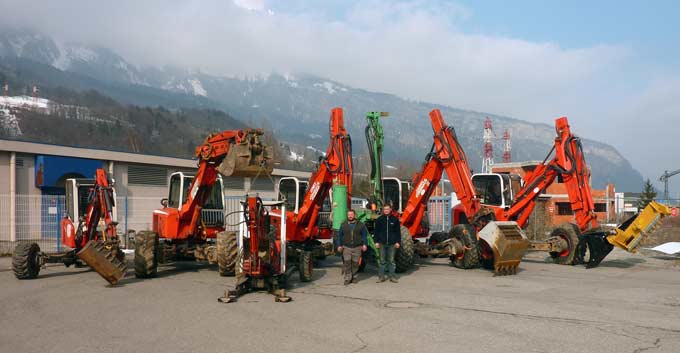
126,221
12,197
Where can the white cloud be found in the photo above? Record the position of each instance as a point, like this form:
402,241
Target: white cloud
253,5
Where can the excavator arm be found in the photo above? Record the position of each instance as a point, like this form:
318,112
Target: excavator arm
375,139
446,155
500,244
570,163
231,153
334,168
98,250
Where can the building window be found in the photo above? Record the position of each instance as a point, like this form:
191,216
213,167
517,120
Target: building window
600,207
147,175
564,209
234,183
560,179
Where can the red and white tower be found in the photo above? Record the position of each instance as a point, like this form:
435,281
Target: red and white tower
507,148
5,89
488,146
35,91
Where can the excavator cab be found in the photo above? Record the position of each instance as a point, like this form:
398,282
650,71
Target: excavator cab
396,193
77,197
291,190
497,190
212,213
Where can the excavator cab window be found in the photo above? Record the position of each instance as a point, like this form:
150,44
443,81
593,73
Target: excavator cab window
492,189
291,190
175,190
393,193
179,191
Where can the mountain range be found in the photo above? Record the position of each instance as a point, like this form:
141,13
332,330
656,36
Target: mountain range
295,107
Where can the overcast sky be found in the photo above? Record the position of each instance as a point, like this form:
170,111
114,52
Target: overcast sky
613,67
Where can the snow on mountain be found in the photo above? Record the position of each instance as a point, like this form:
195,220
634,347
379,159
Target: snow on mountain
24,102
9,122
198,88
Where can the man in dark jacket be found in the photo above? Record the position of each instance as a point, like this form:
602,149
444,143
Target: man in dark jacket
351,242
387,239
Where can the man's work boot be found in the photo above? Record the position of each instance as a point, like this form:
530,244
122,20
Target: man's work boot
381,279
394,280
355,280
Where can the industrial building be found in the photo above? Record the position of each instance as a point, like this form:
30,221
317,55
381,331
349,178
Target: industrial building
32,177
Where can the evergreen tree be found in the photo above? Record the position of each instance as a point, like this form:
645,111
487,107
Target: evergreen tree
648,194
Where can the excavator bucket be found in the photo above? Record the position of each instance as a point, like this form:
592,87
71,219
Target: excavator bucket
247,160
508,243
104,260
631,232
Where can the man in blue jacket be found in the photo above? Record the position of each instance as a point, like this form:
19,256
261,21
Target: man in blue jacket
351,242
387,240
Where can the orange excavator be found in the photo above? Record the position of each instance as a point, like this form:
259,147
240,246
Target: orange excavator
94,241
505,239
179,230
282,236
573,243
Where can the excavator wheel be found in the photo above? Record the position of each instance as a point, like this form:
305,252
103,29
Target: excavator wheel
438,237
404,256
146,254
226,253
485,255
466,235
569,233
26,261
306,266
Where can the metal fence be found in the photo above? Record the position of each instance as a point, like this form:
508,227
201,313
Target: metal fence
439,213
38,217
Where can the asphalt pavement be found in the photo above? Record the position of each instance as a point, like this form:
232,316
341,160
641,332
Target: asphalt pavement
631,303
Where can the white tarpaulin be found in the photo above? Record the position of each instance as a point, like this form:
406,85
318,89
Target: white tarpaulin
668,248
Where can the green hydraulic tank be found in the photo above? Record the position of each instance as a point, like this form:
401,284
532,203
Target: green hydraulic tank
339,211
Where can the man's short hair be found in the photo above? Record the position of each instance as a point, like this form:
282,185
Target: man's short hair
351,210
387,205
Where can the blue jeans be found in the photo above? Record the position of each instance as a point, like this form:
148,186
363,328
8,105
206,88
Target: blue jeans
386,260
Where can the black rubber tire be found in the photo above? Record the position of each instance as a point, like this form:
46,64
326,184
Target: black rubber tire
404,257
306,266
146,254
570,233
227,251
466,234
25,262
485,263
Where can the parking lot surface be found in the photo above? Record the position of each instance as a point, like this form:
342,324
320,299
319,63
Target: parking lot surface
631,303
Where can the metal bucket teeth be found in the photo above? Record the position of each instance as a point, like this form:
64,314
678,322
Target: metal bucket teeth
102,260
508,243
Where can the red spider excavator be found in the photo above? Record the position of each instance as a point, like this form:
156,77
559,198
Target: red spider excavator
274,243
99,249
179,231
506,240
568,243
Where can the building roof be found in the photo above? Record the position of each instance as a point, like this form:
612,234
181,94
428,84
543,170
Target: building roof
516,164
